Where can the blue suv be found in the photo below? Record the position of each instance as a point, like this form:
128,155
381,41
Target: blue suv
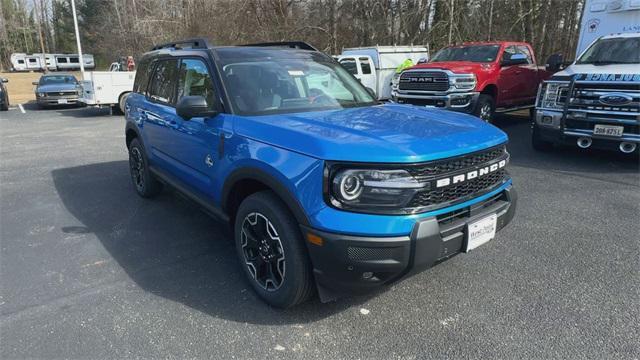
327,190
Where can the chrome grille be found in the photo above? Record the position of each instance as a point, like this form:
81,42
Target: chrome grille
424,81
586,98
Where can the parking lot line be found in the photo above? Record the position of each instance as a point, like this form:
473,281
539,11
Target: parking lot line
21,108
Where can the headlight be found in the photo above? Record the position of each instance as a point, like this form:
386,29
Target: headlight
41,94
463,81
395,80
371,189
554,94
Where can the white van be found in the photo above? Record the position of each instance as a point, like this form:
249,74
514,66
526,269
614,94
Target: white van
604,17
375,66
18,62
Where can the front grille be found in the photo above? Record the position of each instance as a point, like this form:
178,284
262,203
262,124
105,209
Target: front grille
586,99
424,81
463,190
423,172
61,93
359,253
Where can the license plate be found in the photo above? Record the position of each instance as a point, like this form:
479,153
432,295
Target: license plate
481,231
62,101
608,130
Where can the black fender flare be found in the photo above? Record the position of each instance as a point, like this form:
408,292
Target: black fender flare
130,126
257,174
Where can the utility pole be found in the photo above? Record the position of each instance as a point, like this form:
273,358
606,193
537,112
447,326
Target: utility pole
43,58
75,25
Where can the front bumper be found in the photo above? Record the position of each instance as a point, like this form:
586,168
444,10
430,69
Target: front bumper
551,127
50,100
462,101
346,264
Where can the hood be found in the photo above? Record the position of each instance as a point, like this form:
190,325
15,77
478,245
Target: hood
389,133
599,69
57,87
460,67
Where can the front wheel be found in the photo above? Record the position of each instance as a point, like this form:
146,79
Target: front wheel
144,182
485,108
271,251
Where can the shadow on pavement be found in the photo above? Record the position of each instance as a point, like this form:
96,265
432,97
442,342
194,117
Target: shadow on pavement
68,110
562,158
170,248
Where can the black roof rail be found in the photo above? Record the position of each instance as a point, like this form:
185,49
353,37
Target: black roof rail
195,43
286,44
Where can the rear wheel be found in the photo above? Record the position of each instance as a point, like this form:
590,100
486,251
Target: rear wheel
485,108
271,251
121,102
144,182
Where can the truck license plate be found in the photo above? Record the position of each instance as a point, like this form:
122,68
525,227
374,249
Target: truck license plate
62,101
608,130
481,231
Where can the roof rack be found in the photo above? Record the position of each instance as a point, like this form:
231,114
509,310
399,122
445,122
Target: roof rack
286,44
195,43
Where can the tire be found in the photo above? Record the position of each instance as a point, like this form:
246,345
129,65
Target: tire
145,184
485,108
537,142
280,249
121,102
4,107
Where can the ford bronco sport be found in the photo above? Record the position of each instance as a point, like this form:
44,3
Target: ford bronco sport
326,189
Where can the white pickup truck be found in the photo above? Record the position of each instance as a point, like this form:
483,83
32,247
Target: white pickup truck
107,88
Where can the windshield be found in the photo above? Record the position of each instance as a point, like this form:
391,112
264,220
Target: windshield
473,53
612,51
266,81
58,79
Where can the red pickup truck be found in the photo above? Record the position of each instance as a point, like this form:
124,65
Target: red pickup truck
478,78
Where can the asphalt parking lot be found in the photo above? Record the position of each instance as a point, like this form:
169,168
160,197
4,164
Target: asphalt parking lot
90,270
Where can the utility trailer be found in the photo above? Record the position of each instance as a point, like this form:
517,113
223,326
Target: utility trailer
107,88
375,66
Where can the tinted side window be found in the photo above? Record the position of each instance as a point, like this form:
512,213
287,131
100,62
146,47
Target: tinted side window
194,80
365,65
62,60
74,60
350,65
163,83
142,77
525,50
508,51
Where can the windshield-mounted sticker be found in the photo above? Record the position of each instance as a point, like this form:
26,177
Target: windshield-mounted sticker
296,72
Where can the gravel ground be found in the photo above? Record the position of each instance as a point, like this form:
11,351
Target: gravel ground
90,270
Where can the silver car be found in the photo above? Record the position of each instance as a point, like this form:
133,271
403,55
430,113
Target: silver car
57,89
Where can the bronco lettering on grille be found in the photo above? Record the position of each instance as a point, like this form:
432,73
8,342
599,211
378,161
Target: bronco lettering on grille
456,179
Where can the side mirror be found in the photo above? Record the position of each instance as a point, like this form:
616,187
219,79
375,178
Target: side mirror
554,63
34,83
423,60
515,59
5,80
194,106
